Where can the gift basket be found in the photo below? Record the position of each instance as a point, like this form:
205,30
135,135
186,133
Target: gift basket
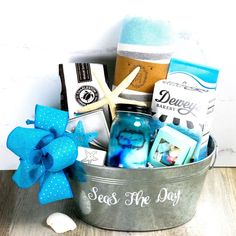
134,157
139,199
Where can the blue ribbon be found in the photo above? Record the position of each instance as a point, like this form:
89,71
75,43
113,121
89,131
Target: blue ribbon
44,152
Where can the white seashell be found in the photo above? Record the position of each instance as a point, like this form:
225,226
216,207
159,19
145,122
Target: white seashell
84,203
60,222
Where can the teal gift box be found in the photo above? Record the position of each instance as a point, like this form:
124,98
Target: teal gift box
171,147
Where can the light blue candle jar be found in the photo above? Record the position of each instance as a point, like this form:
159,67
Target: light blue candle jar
129,137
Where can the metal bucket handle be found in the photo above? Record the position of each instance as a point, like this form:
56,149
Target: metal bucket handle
215,155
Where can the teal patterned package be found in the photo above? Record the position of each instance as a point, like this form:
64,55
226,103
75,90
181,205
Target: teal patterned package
202,77
184,109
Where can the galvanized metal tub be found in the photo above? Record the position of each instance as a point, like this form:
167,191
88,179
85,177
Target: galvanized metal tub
139,199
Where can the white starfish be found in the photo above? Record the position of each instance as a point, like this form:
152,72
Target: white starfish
89,157
112,97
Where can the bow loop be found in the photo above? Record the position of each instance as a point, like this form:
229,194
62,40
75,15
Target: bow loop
54,187
27,174
22,141
51,119
35,157
59,154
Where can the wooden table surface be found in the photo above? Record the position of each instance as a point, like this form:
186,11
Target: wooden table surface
21,215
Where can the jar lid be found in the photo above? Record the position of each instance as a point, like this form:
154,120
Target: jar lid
133,108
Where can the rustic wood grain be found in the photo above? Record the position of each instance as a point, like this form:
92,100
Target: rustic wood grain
21,215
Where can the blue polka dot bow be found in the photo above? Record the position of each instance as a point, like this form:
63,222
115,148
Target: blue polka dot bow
45,151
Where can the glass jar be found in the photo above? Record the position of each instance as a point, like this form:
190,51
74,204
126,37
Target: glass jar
129,137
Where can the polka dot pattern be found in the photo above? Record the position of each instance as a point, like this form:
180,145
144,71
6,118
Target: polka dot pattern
55,187
44,152
22,140
27,174
62,152
51,119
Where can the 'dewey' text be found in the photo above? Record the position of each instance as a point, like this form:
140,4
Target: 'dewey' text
182,106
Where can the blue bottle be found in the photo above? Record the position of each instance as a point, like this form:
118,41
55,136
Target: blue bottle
129,137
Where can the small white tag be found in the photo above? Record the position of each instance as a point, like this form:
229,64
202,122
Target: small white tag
91,156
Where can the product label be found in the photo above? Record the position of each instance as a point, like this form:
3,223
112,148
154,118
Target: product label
149,73
86,95
137,198
180,102
131,139
83,72
79,88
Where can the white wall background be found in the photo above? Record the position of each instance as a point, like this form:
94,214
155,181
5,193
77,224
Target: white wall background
35,36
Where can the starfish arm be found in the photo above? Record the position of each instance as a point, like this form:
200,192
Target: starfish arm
128,101
112,110
111,101
102,85
108,95
93,106
111,98
126,82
